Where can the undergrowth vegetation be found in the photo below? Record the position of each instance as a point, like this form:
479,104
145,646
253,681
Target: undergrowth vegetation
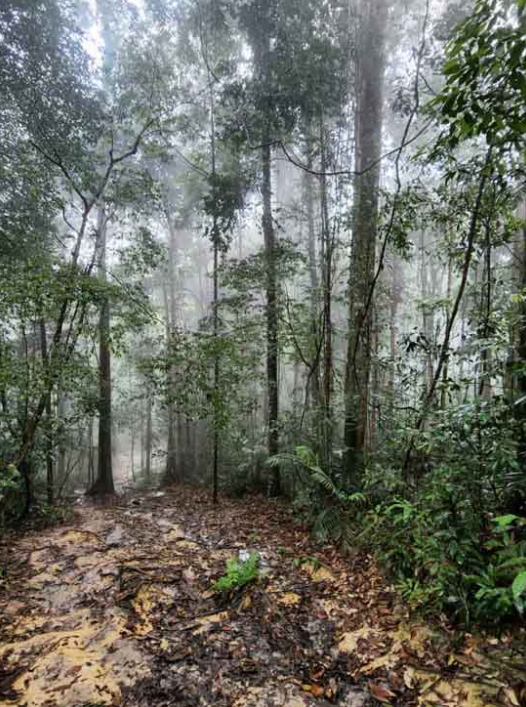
443,530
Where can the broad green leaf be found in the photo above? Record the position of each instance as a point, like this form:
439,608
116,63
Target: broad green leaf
519,586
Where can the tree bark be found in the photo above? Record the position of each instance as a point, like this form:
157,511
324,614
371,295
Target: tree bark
272,312
104,482
327,249
368,139
313,278
519,363
148,437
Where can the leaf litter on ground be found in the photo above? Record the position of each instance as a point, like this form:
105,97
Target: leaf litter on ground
119,608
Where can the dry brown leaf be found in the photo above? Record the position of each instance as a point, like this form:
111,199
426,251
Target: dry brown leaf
381,693
315,690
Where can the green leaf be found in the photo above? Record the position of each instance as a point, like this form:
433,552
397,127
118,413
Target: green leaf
519,586
505,521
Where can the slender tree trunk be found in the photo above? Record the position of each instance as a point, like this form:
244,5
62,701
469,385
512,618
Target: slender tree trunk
104,482
132,450
61,414
427,290
368,138
189,452
215,303
181,457
91,457
445,370
485,391
149,437
370,435
49,419
327,306
308,181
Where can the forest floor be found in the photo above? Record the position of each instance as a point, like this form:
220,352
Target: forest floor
117,608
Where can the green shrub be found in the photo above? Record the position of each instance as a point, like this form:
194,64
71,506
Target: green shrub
467,570
442,526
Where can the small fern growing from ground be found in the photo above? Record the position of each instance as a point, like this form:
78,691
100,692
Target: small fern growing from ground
238,574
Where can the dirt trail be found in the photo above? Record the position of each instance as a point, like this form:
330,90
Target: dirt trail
117,609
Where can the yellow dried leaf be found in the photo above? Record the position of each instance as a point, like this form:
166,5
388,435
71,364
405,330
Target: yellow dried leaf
246,603
409,678
205,621
318,574
289,599
511,696
349,641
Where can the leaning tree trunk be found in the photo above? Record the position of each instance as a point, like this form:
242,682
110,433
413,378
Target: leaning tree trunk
368,137
104,481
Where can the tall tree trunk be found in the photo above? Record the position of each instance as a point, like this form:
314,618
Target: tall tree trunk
272,311
328,250
263,62
519,364
368,139
215,303
104,482
308,181
260,18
